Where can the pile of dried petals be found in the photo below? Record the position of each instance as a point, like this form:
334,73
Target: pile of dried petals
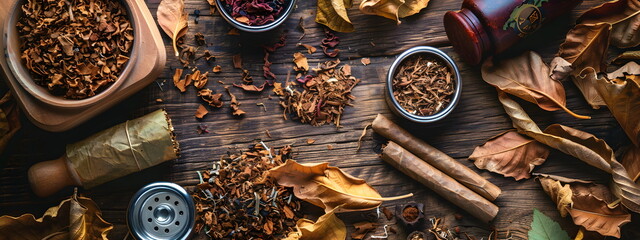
324,96
236,201
423,86
75,50
254,12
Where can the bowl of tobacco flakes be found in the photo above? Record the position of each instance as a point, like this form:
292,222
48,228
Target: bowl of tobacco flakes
423,85
70,54
255,15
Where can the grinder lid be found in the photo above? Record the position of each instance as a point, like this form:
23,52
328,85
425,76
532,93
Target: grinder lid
161,210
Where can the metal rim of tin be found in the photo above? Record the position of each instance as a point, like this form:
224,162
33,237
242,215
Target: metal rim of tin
261,28
399,110
161,210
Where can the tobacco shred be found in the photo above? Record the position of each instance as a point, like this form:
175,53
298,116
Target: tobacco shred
213,99
324,96
236,111
235,199
423,86
254,12
330,41
74,50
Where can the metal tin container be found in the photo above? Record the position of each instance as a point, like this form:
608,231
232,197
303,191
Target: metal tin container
161,210
437,54
262,28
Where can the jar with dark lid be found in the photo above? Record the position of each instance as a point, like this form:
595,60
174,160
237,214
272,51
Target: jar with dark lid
484,28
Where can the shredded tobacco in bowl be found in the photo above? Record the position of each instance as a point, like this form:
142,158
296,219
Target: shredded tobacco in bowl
236,201
423,86
254,12
75,50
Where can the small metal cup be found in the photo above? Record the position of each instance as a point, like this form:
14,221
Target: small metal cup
161,210
284,14
399,110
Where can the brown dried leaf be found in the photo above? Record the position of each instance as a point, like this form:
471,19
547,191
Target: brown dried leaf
588,205
581,145
527,77
310,141
200,80
235,105
631,162
623,15
585,46
333,14
622,95
328,227
213,99
627,56
250,88
76,218
216,69
510,154
327,187
365,61
412,7
310,49
177,81
384,8
237,61
300,61
201,112
173,20
362,228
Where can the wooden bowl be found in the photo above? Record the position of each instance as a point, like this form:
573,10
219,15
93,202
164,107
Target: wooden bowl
18,69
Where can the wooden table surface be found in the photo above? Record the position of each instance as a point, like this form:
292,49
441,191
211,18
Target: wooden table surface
477,117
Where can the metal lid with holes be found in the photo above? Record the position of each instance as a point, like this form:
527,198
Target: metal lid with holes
161,210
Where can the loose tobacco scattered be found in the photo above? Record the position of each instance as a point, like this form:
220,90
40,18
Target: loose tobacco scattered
75,50
324,96
423,86
235,199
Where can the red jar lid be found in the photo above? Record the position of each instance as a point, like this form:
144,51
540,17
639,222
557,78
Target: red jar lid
467,35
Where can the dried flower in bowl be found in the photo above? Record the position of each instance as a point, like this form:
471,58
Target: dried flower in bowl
254,12
75,50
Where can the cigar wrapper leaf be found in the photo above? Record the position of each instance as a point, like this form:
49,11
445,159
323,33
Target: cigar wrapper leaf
435,157
439,182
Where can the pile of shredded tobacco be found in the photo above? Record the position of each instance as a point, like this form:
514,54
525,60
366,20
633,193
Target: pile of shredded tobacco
423,86
75,49
235,200
254,12
324,96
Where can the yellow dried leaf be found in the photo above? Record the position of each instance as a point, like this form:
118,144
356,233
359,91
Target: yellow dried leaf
333,14
411,7
393,9
173,20
301,63
623,15
328,227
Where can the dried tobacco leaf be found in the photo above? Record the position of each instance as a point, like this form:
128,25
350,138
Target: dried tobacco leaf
77,218
178,82
324,96
631,162
585,46
510,154
333,14
235,200
173,20
199,79
236,111
72,50
214,100
623,15
201,112
328,227
587,203
327,187
392,9
581,145
411,7
527,77
300,62
621,92
423,86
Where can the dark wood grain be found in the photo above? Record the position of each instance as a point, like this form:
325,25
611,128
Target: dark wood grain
477,117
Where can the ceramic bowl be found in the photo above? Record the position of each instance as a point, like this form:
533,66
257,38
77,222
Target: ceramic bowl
23,76
430,52
284,14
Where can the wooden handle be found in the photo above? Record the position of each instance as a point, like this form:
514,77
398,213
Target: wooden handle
49,177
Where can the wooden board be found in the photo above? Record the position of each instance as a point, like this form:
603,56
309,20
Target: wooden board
477,117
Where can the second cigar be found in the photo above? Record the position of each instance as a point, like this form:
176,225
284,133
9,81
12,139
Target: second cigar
435,157
439,182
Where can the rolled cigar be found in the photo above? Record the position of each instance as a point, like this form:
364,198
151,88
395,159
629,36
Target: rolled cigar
439,182
110,154
435,157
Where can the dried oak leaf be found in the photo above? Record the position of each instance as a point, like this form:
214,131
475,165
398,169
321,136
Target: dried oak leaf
327,187
362,228
578,144
173,20
310,49
623,15
587,203
510,154
333,14
76,218
328,227
213,99
620,91
526,77
301,63
201,112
